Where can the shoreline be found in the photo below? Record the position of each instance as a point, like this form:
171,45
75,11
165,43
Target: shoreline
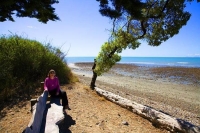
190,62
149,87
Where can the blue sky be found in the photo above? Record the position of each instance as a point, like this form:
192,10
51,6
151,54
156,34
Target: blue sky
82,31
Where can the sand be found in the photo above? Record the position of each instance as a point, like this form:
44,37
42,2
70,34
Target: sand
172,90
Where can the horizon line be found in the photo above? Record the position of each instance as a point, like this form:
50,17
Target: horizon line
140,56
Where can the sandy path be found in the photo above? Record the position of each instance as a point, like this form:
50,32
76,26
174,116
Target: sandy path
89,113
93,114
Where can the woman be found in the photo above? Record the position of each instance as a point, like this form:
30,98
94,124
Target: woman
52,85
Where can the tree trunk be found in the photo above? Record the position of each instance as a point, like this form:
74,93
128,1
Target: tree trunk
94,77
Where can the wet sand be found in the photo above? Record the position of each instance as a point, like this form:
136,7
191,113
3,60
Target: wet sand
172,90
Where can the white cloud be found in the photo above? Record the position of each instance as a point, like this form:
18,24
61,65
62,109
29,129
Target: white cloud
193,55
198,55
31,27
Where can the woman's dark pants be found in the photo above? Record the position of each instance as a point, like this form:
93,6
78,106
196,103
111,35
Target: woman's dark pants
62,94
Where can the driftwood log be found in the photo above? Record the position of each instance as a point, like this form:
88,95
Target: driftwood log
35,123
54,116
46,116
157,118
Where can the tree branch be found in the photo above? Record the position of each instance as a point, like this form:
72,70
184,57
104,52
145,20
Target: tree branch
112,52
143,29
164,7
142,23
151,16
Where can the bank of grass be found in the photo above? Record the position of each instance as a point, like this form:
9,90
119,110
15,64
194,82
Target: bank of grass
24,63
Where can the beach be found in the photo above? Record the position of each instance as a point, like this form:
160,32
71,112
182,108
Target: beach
172,90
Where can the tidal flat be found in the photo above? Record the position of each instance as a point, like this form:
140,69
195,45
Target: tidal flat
172,90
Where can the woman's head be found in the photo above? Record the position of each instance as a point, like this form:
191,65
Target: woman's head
51,73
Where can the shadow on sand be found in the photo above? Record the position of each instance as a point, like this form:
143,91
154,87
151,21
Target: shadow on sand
66,123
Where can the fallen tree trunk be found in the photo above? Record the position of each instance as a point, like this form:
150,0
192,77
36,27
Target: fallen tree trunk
54,116
45,117
36,120
157,118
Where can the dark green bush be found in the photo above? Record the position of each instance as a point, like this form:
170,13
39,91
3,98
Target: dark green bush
25,63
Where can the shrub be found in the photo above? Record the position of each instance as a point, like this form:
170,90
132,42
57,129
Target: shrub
25,63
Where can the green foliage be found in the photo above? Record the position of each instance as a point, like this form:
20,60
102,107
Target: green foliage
103,63
109,51
25,63
40,9
116,8
166,24
153,21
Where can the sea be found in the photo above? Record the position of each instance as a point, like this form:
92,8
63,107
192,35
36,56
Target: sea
148,61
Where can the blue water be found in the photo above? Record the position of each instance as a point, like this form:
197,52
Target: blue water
148,61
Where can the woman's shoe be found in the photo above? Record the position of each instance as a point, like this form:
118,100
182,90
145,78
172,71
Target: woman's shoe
67,107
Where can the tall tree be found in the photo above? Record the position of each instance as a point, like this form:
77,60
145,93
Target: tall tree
40,9
153,21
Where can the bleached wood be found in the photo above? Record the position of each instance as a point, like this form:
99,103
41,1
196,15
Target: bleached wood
156,117
54,117
37,116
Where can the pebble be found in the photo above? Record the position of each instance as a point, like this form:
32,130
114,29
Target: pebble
125,123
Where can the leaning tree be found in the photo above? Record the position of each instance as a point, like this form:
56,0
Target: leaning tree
133,21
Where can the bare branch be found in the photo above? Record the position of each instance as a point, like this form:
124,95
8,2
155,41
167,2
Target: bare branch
112,52
143,29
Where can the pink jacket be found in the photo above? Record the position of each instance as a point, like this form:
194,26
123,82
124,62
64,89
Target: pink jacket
52,84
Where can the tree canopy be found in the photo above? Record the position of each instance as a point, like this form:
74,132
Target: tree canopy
39,9
153,21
